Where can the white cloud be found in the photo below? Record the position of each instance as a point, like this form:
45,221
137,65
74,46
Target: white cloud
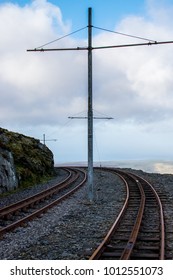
141,76
38,83
43,89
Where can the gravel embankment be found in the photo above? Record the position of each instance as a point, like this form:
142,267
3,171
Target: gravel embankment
73,229
24,193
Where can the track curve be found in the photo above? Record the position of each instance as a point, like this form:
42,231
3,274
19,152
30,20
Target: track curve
74,180
138,232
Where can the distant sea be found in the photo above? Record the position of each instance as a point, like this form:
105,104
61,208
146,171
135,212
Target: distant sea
151,166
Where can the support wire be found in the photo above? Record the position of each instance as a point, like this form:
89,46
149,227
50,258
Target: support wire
124,34
58,39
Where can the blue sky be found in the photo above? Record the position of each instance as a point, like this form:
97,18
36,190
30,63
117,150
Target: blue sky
134,85
105,13
108,11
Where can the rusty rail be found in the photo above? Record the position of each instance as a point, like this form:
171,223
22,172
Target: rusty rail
49,205
131,242
98,252
25,203
133,236
162,223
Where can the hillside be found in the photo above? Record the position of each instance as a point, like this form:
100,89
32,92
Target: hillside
23,160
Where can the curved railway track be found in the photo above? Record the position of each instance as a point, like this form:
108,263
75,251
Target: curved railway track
18,214
138,232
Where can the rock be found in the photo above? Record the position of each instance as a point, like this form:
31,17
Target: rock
8,177
23,160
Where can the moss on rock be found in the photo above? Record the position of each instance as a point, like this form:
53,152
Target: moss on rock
33,161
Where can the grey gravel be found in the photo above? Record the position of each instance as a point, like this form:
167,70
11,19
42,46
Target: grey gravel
74,228
24,193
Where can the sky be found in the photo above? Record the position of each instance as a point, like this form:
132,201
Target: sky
134,86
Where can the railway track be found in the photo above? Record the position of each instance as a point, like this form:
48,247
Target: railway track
18,214
138,232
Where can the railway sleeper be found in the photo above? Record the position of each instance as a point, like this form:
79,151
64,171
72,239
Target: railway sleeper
112,255
112,248
146,247
123,230
2,223
150,231
144,228
8,216
144,256
147,238
152,206
134,204
135,196
126,223
17,212
25,209
120,238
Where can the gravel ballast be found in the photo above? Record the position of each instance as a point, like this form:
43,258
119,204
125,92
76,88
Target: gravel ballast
74,228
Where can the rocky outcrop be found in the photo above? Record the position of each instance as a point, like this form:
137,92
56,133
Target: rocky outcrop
23,160
8,177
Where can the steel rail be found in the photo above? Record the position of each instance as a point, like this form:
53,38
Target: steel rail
128,249
162,222
131,242
98,252
24,203
37,213
134,233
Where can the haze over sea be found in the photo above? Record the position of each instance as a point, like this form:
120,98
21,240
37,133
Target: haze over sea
151,166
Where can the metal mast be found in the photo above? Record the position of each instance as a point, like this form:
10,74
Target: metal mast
45,140
90,106
90,109
90,117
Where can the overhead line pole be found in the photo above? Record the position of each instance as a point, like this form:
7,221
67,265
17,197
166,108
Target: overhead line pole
90,110
90,48
45,140
90,106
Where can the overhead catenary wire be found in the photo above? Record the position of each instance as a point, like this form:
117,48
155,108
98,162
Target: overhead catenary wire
95,27
90,48
124,34
60,38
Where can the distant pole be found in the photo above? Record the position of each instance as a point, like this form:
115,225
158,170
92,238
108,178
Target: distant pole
90,110
44,139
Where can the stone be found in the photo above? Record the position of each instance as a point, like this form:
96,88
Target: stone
24,160
8,177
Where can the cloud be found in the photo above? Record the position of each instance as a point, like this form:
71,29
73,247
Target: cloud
163,168
38,84
134,85
129,83
136,81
